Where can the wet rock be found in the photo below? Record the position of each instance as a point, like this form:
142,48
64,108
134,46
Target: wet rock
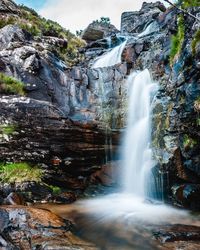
31,228
107,175
65,198
172,233
18,193
187,195
14,199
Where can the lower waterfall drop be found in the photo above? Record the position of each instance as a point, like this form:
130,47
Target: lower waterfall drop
137,154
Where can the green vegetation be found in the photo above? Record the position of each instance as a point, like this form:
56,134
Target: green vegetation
30,21
189,3
7,129
103,20
7,20
188,142
195,41
56,190
197,104
19,172
198,121
177,40
39,26
10,85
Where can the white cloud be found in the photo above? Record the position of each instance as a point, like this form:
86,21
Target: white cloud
77,14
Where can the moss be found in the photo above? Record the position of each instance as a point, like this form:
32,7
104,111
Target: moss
177,40
9,85
190,3
7,129
188,142
197,104
167,120
198,121
19,172
56,190
195,41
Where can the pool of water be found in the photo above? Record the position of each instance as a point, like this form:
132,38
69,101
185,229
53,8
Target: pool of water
124,222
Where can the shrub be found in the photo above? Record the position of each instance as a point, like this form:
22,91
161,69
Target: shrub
6,21
177,40
10,85
19,172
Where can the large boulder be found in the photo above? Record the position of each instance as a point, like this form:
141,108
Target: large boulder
32,228
98,30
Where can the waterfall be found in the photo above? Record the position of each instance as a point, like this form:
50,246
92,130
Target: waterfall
110,58
137,154
151,28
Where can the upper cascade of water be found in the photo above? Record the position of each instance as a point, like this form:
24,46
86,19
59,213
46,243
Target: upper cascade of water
111,58
150,28
137,154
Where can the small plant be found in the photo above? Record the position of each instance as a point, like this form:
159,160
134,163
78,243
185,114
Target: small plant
9,85
188,142
7,129
56,190
177,40
19,172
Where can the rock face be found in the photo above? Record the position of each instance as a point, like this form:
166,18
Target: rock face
137,21
7,6
67,114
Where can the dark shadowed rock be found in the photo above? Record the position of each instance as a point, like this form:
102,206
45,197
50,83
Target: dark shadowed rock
187,195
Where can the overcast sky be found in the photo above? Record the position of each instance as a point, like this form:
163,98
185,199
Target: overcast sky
77,14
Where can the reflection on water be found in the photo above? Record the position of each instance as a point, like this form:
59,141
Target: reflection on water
123,222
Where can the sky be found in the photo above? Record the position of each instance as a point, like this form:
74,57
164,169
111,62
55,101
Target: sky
77,14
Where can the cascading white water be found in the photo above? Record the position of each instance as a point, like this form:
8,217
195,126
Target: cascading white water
137,153
110,58
151,28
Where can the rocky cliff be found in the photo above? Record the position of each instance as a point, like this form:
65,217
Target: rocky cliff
69,119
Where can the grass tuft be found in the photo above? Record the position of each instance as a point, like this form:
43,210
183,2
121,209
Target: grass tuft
9,85
177,40
7,129
19,172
